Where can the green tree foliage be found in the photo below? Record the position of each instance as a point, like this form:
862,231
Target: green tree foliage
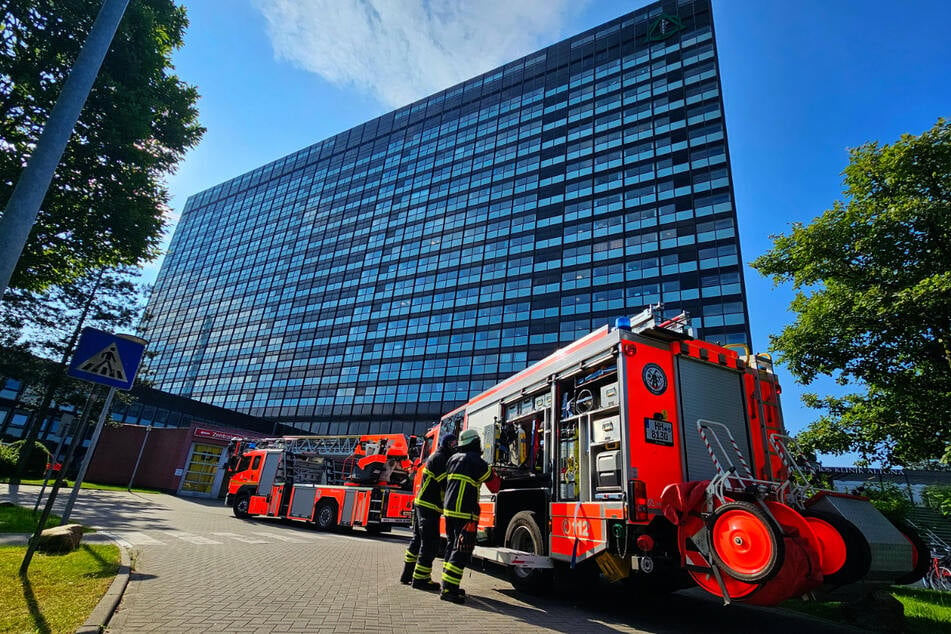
107,203
891,500
42,323
938,497
873,302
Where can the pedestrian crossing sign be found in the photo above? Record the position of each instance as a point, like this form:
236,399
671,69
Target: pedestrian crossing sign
103,357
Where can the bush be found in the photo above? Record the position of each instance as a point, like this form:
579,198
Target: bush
938,497
890,499
36,465
8,460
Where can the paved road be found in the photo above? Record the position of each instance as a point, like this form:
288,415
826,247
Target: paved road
199,569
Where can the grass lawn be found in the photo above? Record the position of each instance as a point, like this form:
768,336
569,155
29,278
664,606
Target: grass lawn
17,519
59,591
926,611
85,485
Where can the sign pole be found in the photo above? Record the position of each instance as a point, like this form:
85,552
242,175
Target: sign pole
103,358
89,452
66,424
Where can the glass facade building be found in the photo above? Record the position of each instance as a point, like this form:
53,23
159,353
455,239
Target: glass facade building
378,278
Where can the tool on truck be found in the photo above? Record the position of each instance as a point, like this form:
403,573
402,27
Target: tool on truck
642,453
328,481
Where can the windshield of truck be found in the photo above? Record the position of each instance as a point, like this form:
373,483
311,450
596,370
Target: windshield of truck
243,464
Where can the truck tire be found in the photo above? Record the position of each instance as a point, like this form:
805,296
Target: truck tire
523,534
325,515
240,505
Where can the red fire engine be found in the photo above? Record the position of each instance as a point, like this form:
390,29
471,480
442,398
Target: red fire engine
645,453
328,481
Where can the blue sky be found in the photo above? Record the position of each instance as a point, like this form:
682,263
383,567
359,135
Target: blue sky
802,81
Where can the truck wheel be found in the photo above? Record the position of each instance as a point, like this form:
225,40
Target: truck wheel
240,505
325,515
523,534
745,542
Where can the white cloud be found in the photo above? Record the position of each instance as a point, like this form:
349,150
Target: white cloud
401,50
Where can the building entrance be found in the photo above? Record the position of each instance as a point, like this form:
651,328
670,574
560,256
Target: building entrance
202,468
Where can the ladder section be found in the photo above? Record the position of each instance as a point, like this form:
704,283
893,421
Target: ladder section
375,512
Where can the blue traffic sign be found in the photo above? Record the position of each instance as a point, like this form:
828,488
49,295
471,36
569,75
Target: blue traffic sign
102,357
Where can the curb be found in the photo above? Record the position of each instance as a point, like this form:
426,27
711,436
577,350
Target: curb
104,610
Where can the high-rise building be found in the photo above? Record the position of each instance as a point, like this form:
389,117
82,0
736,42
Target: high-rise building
378,278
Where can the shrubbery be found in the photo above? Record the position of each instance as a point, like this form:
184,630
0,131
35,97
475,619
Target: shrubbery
35,467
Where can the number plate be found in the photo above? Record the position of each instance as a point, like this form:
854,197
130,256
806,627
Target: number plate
659,432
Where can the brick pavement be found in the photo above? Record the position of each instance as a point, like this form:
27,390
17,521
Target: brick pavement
199,569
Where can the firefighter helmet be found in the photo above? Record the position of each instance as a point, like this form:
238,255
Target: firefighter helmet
468,437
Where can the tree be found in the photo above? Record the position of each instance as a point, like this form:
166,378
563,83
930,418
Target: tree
38,333
872,277
42,323
107,203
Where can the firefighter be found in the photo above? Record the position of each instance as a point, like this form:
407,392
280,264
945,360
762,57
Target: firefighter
466,471
427,508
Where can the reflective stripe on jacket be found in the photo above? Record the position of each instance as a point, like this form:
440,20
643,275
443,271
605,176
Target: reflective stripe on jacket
465,473
433,486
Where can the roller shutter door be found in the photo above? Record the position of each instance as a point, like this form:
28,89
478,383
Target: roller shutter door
713,393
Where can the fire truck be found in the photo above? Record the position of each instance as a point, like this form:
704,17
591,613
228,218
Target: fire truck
328,481
641,453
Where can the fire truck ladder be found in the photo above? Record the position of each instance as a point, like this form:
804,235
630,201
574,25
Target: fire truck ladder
310,459
768,411
321,445
375,512
730,477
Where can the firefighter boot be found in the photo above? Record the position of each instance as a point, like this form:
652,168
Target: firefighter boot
455,595
425,584
407,576
422,578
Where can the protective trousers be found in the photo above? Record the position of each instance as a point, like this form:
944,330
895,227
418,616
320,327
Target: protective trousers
456,558
418,562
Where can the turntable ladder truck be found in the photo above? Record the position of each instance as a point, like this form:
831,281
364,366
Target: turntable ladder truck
327,481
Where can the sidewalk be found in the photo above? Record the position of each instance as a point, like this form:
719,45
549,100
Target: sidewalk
200,569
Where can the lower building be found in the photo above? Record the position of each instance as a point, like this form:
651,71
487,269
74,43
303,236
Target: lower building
187,461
